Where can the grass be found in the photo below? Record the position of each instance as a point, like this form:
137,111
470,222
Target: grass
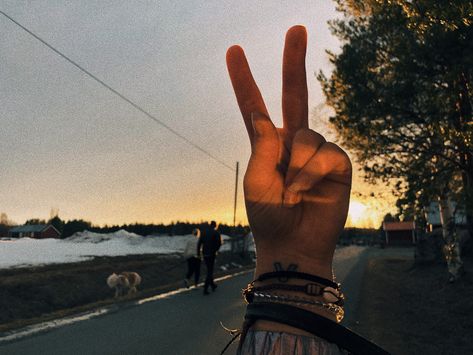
34,294
409,309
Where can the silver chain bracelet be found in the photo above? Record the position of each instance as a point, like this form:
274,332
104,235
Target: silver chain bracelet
301,301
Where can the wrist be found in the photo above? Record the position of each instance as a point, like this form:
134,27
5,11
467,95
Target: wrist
286,261
266,263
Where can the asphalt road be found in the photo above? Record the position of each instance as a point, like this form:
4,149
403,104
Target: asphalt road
186,323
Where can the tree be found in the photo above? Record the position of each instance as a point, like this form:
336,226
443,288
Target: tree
74,226
401,91
446,27
3,218
4,224
35,221
388,217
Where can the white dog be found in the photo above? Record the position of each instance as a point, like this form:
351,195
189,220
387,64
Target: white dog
124,281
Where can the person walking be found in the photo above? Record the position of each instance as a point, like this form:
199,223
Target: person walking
208,245
193,259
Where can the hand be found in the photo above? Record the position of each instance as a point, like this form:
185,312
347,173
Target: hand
297,185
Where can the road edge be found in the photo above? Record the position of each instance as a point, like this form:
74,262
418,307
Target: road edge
46,326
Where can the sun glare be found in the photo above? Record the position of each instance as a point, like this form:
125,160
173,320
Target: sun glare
356,211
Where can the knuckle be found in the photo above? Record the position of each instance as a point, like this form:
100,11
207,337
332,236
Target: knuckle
310,137
338,157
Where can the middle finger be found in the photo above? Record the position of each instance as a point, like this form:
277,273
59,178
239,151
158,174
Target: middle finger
294,92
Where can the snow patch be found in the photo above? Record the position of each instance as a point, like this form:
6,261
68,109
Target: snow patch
86,245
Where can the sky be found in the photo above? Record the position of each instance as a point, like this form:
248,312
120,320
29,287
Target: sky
70,145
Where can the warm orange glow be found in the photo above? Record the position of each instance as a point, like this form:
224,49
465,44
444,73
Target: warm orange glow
356,211
364,215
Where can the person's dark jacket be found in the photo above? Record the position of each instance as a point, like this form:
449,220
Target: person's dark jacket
210,241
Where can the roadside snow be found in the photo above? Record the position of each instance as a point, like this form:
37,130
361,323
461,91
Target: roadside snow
85,245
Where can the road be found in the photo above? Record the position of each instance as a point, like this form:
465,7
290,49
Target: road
186,323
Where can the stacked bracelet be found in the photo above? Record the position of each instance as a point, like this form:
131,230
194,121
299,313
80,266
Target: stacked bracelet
332,297
336,310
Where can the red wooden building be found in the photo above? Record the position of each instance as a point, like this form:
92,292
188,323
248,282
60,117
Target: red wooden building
38,231
399,233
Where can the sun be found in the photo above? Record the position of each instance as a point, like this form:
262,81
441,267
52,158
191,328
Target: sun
356,211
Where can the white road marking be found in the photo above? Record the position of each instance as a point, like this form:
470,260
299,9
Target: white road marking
45,326
341,261
57,323
183,289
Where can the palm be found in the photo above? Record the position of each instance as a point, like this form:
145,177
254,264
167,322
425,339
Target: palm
304,226
297,185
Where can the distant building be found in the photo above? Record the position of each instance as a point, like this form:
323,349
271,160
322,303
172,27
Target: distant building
37,231
399,233
432,215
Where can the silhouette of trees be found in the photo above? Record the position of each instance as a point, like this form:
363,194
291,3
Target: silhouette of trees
74,226
402,92
5,225
35,221
174,228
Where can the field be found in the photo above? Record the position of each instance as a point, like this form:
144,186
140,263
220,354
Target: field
39,293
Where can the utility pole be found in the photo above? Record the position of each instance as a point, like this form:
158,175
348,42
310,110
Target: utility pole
236,195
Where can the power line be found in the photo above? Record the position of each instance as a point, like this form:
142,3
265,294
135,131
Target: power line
123,97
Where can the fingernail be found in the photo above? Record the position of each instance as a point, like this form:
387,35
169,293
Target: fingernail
291,198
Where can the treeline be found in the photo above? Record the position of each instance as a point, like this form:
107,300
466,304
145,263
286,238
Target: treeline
68,228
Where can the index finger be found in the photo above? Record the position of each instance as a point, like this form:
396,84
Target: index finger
246,91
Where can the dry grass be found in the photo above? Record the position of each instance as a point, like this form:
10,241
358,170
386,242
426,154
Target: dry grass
31,295
411,309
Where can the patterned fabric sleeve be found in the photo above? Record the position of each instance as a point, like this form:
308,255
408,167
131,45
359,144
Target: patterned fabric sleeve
258,342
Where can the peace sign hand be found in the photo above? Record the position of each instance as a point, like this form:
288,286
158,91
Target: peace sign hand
297,185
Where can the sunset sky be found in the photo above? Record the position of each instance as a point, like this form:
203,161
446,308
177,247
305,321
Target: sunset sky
69,144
